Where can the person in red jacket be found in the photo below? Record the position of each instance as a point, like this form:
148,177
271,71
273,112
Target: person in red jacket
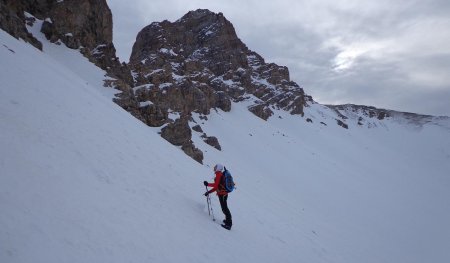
221,193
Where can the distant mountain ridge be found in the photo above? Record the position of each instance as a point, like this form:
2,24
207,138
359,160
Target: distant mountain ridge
365,116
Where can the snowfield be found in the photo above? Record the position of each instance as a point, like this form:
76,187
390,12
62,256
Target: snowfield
81,180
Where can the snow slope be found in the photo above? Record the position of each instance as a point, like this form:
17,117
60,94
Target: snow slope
83,181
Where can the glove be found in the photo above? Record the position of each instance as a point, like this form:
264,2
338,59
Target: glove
205,183
206,194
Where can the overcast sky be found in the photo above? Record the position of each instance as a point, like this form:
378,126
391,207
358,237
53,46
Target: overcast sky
392,54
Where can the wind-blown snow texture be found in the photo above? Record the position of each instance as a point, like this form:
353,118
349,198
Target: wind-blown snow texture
83,181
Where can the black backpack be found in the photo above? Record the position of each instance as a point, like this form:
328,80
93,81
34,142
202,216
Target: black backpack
226,181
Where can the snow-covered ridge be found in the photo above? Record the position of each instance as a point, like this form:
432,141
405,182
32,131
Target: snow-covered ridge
369,116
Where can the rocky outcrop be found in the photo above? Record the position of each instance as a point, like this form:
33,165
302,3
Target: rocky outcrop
370,117
342,124
13,21
179,133
366,111
198,63
193,152
79,24
87,25
197,128
261,110
212,141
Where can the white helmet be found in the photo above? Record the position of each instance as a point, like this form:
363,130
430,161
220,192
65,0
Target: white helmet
218,167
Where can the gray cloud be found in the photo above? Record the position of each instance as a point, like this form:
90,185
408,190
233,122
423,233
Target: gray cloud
386,53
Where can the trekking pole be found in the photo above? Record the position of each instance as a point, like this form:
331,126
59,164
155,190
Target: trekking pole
208,200
210,204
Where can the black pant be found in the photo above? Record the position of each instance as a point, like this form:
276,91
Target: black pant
225,210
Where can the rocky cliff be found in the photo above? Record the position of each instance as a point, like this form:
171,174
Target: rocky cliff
79,24
198,63
13,20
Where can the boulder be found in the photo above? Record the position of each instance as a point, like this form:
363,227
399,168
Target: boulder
197,128
177,133
213,141
261,111
190,150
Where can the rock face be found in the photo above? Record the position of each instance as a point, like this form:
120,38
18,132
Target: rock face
79,24
13,20
198,63
87,25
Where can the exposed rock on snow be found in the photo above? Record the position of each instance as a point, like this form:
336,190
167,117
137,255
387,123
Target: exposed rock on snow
197,128
369,116
212,141
179,133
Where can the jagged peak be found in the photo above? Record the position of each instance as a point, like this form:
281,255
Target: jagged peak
199,13
206,23
201,29
202,22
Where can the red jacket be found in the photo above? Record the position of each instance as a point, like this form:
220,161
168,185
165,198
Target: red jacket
216,187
